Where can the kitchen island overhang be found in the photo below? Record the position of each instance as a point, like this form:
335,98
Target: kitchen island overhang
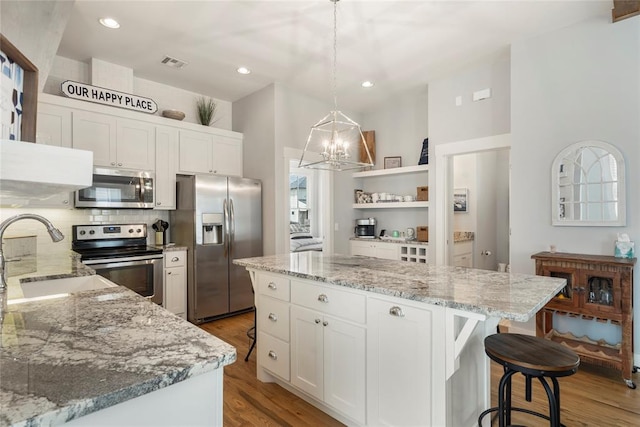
464,306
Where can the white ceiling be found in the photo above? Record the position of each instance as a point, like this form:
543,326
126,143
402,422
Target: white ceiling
400,45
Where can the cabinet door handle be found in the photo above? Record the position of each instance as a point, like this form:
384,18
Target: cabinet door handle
396,311
325,323
113,163
119,164
273,317
158,203
272,354
168,272
323,298
272,285
175,259
65,202
317,321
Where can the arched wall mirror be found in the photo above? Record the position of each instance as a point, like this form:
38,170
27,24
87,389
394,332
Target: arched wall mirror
587,186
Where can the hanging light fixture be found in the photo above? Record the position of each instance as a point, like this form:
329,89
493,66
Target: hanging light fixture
334,143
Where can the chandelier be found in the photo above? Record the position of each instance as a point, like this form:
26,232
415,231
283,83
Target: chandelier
336,142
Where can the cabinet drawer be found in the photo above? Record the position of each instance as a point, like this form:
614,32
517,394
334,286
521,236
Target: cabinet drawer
273,317
275,286
273,354
175,259
347,305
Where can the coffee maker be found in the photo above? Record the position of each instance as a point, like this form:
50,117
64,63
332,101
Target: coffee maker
365,228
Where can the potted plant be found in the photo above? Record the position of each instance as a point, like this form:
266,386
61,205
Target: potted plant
206,110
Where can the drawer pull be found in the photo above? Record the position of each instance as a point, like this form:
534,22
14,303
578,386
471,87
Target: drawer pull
175,259
396,311
317,321
323,298
325,323
272,285
272,354
273,317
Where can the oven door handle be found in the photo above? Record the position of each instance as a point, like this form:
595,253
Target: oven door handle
119,260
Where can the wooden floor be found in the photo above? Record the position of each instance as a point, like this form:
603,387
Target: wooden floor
592,397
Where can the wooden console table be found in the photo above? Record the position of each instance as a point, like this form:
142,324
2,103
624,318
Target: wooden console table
598,287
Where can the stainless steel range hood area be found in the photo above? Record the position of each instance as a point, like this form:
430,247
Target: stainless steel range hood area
37,171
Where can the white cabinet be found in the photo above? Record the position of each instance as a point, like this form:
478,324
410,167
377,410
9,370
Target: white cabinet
327,351
201,152
374,249
115,142
166,167
53,125
54,128
463,254
175,282
399,362
414,253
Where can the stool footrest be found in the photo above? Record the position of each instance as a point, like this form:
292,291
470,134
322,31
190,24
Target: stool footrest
526,411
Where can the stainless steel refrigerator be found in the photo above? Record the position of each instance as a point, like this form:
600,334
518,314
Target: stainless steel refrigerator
219,219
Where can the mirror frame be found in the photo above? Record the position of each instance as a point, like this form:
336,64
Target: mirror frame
555,191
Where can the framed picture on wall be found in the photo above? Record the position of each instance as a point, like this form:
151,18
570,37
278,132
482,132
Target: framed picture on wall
392,162
461,200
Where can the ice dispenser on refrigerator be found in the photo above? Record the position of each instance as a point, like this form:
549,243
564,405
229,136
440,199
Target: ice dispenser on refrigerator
212,229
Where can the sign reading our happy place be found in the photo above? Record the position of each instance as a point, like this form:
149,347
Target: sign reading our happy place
100,95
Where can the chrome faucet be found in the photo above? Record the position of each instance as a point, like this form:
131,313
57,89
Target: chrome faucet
55,234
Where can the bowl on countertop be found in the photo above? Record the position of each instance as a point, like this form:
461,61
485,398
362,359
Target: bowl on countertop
173,114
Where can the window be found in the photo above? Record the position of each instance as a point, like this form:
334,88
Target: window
299,203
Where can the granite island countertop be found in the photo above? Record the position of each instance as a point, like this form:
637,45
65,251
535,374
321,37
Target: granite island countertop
66,357
506,295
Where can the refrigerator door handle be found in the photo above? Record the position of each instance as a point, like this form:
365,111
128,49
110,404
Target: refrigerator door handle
232,227
225,211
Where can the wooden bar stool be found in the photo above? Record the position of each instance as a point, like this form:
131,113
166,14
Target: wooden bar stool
533,357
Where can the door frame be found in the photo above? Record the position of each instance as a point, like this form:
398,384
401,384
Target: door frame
443,215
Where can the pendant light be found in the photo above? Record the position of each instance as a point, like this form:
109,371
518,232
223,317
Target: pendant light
334,143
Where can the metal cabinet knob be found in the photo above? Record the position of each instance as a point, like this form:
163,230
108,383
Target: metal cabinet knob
272,354
273,317
113,163
175,259
158,203
272,285
317,321
396,311
168,272
325,323
119,164
323,298
65,202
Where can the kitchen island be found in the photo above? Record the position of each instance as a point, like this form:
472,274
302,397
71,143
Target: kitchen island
381,342
103,357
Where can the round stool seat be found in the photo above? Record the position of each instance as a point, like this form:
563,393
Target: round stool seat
531,355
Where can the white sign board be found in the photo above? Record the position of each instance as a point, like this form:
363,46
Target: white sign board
100,95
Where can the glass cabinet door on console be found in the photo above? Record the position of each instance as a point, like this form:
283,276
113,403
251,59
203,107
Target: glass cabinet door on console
570,295
603,293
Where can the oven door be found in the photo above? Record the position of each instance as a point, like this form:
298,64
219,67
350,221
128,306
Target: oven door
142,274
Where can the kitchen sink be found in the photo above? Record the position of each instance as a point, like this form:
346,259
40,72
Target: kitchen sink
64,286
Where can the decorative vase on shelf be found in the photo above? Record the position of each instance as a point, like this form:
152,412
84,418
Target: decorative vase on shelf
206,110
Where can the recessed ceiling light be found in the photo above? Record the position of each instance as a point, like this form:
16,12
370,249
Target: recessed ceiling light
367,84
109,22
243,70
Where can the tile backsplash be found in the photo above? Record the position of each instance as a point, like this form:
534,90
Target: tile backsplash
63,219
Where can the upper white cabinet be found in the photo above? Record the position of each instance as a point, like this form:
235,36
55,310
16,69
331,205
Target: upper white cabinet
115,142
201,152
166,167
54,125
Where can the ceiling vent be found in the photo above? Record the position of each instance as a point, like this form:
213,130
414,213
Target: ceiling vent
173,62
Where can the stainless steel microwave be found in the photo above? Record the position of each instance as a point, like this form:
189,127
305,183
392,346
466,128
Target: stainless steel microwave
116,188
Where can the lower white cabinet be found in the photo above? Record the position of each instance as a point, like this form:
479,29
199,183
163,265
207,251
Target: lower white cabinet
399,362
463,254
374,249
326,360
175,282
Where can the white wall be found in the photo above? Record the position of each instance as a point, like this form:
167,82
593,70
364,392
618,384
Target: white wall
167,97
254,116
581,82
35,28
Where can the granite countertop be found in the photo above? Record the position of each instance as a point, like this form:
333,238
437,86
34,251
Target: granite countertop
397,240
66,357
463,236
505,295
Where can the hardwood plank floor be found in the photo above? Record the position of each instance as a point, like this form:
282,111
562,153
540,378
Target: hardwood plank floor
593,397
